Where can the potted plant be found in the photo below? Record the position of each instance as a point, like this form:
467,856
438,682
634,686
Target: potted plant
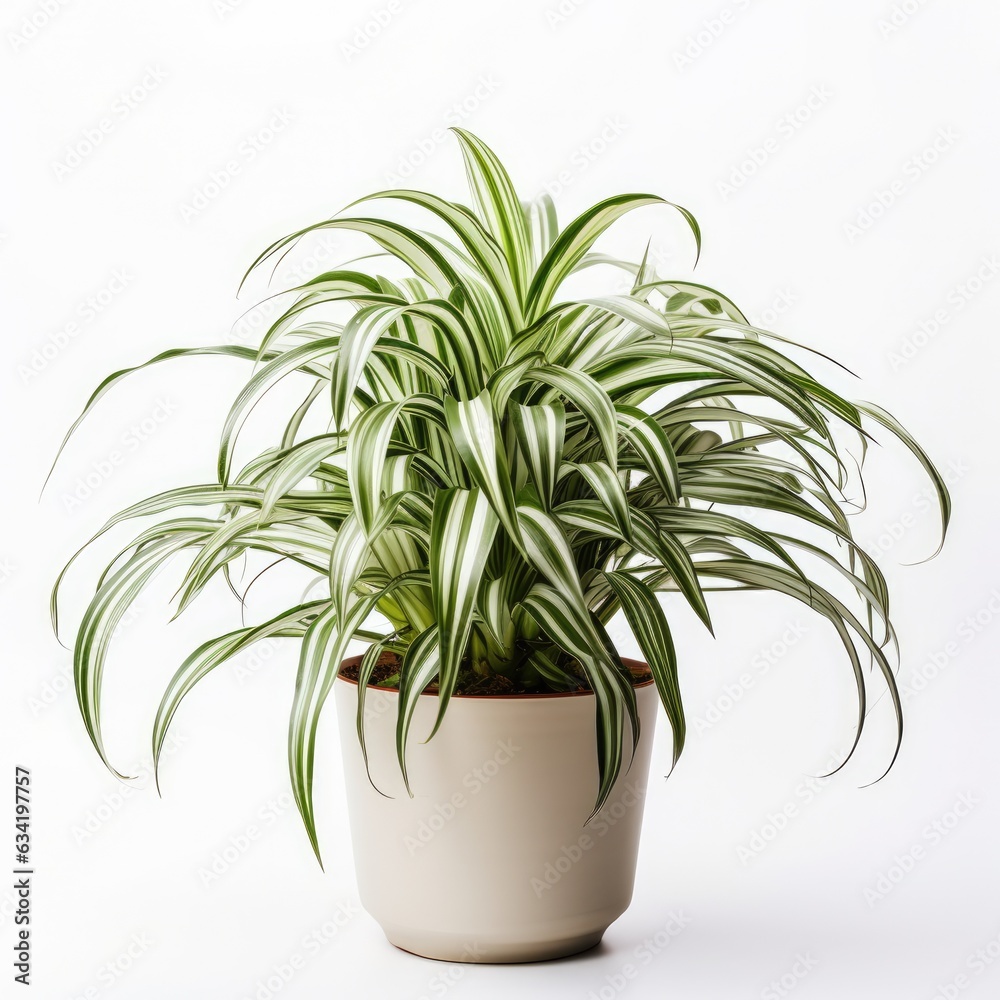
485,472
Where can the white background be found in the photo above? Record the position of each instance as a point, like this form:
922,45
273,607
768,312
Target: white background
857,224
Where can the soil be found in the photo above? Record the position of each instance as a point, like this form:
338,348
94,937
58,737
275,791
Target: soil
387,668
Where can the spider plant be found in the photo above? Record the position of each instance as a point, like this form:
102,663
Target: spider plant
502,469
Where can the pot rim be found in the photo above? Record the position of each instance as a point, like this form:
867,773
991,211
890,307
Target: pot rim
635,666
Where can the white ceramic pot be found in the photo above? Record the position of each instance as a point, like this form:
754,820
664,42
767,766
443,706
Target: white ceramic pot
492,859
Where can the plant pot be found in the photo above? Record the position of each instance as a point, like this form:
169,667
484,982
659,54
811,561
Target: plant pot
492,860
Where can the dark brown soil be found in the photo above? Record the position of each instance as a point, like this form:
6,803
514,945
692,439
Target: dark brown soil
495,684
387,668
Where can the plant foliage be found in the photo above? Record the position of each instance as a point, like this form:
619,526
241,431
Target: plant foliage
502,469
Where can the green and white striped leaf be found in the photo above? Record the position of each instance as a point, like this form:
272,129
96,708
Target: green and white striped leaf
474,429
541,432
589,398
490,260
604,483
461,536
573,242
649,626
650,442
223,350
300,461
367,444
300,358
368,663
548,549
498,204
323,647
420,666
555,676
